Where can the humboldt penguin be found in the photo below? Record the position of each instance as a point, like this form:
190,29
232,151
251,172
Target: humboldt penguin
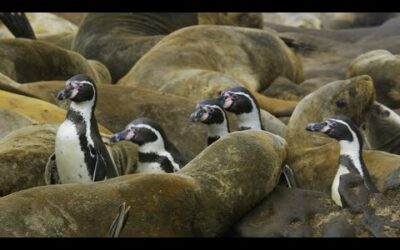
211,113
156,152
80,153
244,105
342,129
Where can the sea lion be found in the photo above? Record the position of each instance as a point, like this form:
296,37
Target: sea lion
213,58
114,113
314,157
384,69
25,60
120,39
242,19
381,129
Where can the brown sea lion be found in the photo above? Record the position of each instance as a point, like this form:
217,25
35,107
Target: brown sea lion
381,129
119,39
203,199
199,61
25,60
384,69
313,157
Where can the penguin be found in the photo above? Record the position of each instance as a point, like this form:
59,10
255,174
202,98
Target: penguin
156,152
80,153
351,161
244,105
211,113
18,24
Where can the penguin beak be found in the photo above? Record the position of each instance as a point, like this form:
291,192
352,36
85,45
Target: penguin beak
123,135
64,94
318,127
70,91
196,115
226,100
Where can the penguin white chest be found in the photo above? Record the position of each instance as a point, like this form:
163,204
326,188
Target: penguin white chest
335,185
149,167
70,158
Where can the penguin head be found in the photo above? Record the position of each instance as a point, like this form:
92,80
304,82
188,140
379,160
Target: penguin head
338,127
78,88
141,131
208,112
237,100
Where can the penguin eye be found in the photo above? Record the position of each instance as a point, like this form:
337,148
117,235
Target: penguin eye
234,97
210,110
341,103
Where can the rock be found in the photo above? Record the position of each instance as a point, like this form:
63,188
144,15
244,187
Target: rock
314,157
305,213
210,193
299,20
272,124
10,121
23,156
119,40
294,213
351,20
383,67
26,60
213,58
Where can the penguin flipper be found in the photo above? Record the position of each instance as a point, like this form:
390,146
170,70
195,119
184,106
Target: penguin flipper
119,222
51,172
353,192
18,24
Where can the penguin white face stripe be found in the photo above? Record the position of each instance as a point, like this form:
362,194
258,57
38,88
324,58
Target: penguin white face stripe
351,148
156,146
218,129
252,119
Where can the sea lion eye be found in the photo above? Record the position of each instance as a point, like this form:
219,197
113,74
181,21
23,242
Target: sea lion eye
341,103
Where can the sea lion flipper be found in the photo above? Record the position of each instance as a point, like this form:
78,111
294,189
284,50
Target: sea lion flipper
119,222
51,173
289,176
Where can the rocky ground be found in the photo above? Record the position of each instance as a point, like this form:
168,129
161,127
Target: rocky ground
159,65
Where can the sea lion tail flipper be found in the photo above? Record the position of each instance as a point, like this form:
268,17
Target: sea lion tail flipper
18,24
297,45
119,221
